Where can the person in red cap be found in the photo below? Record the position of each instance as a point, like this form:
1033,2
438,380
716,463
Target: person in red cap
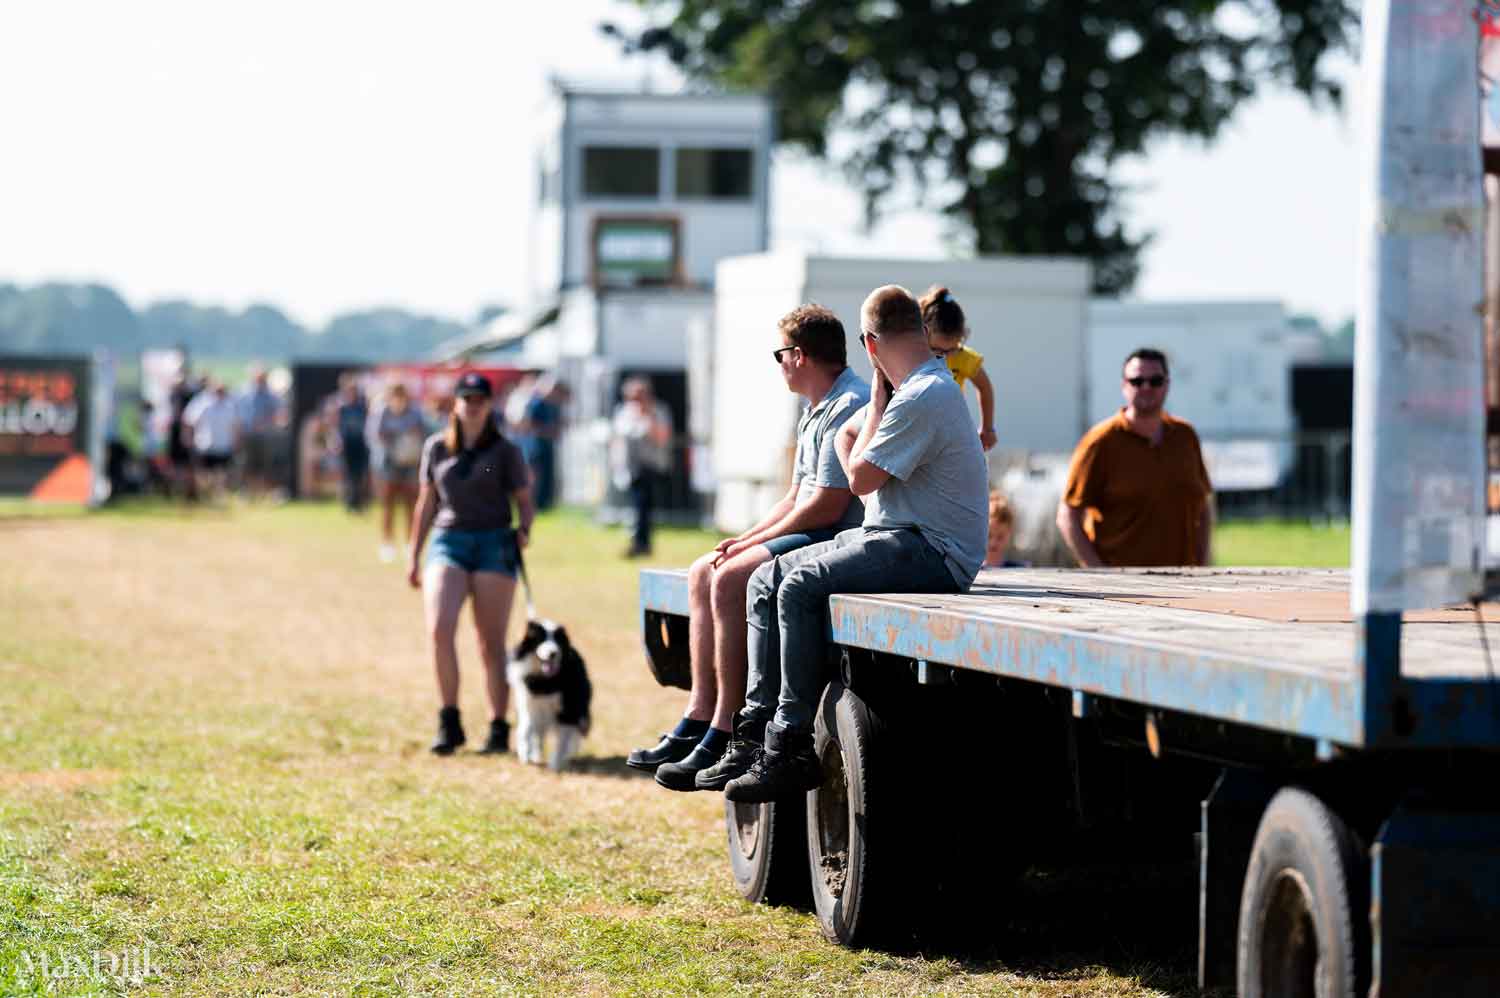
470,477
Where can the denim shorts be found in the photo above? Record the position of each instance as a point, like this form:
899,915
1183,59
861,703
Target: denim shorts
791,542
475,550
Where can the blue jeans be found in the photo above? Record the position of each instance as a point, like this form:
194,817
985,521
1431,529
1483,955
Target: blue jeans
786,606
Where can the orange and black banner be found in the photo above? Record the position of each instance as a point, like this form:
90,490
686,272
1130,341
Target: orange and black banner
44,428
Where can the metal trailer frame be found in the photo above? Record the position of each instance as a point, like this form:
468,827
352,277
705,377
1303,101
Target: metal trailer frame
1427,735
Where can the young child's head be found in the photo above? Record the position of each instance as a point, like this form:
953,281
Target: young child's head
1002,523
943,320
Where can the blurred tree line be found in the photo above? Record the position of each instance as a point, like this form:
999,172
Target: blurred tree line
76,318
1007,115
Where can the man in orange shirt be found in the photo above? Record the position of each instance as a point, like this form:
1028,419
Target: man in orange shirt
1137,492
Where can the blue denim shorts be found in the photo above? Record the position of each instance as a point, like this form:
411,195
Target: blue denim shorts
791,542
475,550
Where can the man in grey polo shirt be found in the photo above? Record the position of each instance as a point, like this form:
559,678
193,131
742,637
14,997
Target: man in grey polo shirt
811,353
913,453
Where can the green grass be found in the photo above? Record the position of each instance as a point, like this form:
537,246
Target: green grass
1290,543
212,742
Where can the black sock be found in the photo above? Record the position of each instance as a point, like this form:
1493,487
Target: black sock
714,740
688,728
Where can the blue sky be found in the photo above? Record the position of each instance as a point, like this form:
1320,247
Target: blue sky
340,155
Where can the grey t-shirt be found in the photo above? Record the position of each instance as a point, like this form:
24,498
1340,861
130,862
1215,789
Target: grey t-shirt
939,481
473,487
817,463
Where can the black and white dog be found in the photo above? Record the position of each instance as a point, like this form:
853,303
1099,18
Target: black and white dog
552,692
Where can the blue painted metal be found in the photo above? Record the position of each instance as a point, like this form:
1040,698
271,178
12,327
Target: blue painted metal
664,590
1374,706
1222,685
1435,901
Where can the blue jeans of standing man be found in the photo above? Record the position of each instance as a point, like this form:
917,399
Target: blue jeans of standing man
642,487
786,605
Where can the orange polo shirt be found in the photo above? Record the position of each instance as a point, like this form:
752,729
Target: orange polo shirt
1143,501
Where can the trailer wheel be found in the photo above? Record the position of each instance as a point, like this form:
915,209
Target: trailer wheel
1303,926
844,836
767,851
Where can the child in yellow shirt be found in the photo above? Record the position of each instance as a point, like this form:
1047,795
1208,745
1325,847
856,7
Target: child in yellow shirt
946,332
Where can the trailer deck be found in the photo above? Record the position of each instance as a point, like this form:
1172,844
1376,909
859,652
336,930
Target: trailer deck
1276,649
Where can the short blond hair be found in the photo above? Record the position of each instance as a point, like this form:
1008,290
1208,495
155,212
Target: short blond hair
1001,514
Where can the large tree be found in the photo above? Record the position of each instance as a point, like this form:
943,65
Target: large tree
1010,115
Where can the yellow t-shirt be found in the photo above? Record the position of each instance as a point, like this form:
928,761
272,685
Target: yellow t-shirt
964,363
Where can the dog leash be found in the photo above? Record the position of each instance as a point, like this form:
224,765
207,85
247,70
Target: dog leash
525,582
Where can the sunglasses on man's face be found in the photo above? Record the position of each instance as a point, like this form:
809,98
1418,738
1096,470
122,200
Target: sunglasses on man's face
777,353
863,334
1155,381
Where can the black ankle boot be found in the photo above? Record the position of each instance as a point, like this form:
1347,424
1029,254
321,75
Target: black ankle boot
498,742
683,775
744,747
450,732
787,767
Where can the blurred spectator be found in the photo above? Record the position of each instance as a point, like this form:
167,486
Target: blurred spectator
538,438
640,452
395,434
1138,492
179,442
1002,525
212,419
259,412
511,410
352,415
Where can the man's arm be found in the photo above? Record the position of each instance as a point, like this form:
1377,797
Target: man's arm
823,508
773,516
865,477
1206,532
1070,523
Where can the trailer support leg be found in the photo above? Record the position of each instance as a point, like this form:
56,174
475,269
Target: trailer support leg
1227,825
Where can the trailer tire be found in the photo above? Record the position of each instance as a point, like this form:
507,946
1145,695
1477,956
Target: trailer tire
1303,928
768,851
852,898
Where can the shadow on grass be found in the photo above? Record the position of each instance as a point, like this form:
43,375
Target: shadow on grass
1136,921
606,765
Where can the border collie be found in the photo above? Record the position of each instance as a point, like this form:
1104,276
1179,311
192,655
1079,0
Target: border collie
552,692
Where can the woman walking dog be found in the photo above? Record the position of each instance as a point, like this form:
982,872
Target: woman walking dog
470,475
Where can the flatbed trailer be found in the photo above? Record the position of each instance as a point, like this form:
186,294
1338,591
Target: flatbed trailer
1329,747
1337,773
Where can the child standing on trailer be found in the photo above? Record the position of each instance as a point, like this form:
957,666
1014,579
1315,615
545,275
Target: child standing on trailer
946,333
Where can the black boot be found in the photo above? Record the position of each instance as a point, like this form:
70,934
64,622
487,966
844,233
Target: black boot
744,747
787,767
682,775
498,742
671,748
450,732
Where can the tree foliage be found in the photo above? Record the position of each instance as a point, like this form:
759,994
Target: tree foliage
1009,115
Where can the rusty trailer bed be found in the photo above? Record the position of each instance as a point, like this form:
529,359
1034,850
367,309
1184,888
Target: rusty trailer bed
1275,649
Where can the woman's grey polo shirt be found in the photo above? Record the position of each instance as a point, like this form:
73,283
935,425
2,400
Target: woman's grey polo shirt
816,465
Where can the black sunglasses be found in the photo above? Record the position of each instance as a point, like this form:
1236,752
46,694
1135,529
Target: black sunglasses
863,334
776,354
1155,381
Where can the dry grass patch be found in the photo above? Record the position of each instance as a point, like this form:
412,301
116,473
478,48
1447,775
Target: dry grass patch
213,736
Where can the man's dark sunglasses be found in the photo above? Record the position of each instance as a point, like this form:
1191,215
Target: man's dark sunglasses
862,336
777,353
1155,381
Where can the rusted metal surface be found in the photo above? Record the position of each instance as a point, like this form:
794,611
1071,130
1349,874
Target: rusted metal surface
1125,635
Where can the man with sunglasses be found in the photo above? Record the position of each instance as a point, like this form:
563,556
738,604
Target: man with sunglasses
1138,492
914,457
811,354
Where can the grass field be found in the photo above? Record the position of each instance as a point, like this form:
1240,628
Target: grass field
213,731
